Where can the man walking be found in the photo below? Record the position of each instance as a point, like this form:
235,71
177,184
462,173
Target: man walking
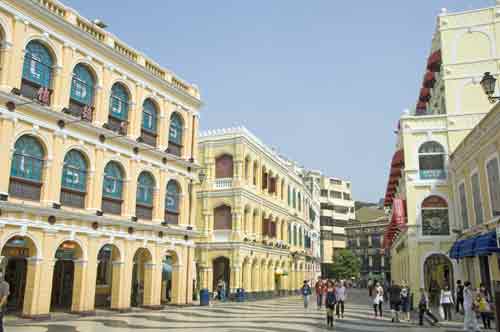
395,301
459,296
318,287
4,294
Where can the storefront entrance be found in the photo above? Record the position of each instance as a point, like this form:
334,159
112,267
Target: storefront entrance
484,270
221,274
62,285
438,272
16,251
63,277
166,280
141,258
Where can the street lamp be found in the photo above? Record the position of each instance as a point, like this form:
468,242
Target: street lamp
202,176
488,83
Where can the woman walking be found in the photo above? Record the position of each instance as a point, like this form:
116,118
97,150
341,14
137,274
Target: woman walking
306,292
378,300
341,295
470,308
446,301
405,302
484,308
330,301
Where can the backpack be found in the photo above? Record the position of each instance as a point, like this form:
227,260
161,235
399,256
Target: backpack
404,292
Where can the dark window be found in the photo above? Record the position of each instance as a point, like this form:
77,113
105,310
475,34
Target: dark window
149,123
144,199
175,135
74,180
112,189
431,160
224,166
82,93
172,202
118,109
222,218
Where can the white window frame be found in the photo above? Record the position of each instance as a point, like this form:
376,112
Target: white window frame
475,171
490,158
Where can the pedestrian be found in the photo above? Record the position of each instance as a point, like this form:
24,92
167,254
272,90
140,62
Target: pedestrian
330,302
405,301
370,288
423,308
446,301
459,296
485,311
318,287
306,292
4,294
340,295
470,319
378,300
485,292
394,301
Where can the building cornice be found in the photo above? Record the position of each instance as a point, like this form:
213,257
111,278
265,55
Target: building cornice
67,26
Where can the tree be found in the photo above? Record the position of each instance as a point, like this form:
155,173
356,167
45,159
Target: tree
345,265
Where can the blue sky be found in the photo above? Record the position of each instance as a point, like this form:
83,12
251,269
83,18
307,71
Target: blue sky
323,81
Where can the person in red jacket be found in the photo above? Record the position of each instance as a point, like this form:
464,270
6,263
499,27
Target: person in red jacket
319,288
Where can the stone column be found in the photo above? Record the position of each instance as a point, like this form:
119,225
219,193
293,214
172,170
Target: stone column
151,293
178,292
235,281
247,277
33,290
17,59
118,299
79,289
95,181
6,54
256,286
7,140
236,232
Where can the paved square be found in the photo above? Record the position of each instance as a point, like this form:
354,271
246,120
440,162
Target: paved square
280,315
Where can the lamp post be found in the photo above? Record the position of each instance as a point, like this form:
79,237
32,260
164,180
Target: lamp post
488,83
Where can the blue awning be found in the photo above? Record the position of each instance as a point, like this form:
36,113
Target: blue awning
467,248
455,249
486,244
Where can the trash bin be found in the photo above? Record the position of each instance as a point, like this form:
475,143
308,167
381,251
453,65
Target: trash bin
240,295
204,297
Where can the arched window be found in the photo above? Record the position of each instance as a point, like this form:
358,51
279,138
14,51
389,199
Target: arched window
145,193
26,169
37,72
175,135
82,93
224,166
149,122
118,109
172,202
294,235
431,159
112,188
74,180
289,233
223,218
301,237
435,219
299,199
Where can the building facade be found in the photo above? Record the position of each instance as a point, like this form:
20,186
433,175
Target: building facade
99,154
337,211
475,187
364,239
258,217
450,103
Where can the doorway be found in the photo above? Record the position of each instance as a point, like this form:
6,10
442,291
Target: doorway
484,270
15,275
438,272
62,285
221,273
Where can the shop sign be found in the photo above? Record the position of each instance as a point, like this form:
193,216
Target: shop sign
65,254
16,252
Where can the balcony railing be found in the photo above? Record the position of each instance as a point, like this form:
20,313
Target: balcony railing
223,183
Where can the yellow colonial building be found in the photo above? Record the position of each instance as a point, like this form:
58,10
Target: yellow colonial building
450,103
259,215
99,149
475,182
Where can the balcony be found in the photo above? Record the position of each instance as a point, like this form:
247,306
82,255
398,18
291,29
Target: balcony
223,183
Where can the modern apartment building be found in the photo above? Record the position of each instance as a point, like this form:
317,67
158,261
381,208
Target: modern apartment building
337,211
450,104
258,216
365,238
98,141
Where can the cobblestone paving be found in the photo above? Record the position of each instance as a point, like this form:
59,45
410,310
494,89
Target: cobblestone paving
279,315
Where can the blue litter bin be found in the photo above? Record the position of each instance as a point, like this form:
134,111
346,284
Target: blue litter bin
204,297
240,295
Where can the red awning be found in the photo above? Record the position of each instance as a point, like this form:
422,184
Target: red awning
395,172
429,79
425,94
397,159
398,212
434,61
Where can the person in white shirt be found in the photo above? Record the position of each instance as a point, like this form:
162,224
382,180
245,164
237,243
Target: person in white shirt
378,300
340,294
470,320
446,301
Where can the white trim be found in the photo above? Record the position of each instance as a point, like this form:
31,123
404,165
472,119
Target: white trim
429,254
